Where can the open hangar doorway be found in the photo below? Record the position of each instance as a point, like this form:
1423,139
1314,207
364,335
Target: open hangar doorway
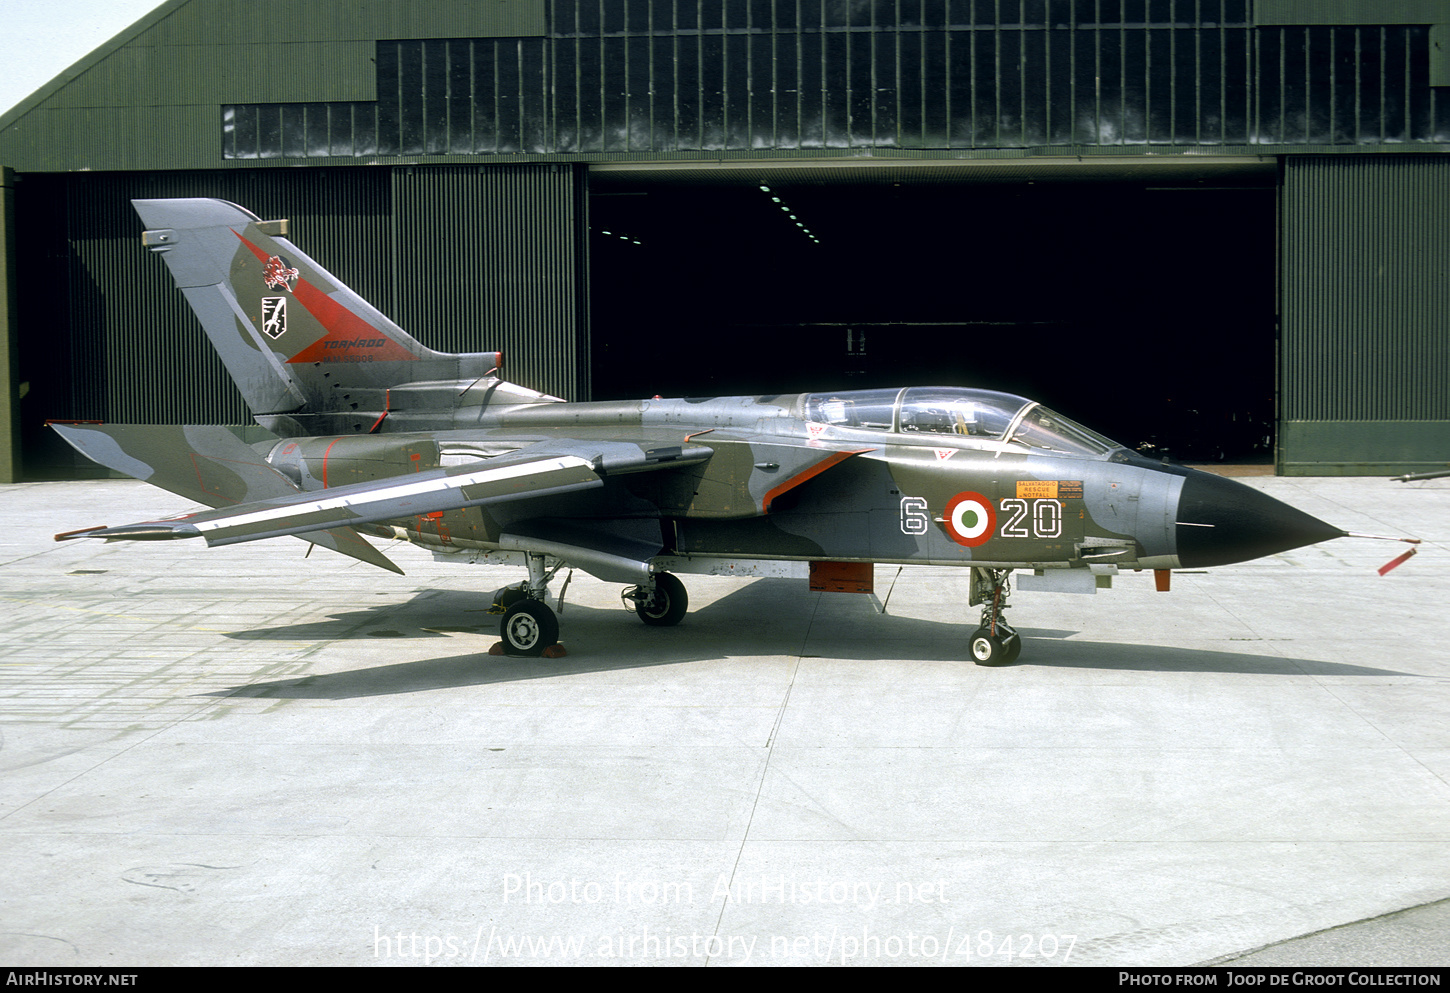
1138,298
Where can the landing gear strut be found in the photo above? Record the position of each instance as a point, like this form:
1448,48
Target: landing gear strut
529,627
995,642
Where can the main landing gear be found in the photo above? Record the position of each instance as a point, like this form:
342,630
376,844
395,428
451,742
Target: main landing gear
529,627
660,604
995,642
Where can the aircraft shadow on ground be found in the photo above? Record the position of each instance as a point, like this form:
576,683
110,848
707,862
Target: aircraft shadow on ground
764,619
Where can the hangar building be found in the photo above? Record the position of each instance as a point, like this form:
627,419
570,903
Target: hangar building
1217,228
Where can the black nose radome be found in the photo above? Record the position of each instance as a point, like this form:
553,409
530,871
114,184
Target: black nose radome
1221,521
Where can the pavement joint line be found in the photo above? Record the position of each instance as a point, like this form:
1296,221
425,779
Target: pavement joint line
1234,956
1180,697
1385,735
765,768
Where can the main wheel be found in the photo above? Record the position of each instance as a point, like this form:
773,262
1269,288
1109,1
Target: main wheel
667,605
528,627
990,650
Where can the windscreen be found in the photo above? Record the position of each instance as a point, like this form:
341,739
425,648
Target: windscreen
1047,429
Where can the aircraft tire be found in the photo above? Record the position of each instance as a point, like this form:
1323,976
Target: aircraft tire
668,605
990,651
527,628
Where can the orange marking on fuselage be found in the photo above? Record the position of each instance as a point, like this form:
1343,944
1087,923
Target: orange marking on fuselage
810,473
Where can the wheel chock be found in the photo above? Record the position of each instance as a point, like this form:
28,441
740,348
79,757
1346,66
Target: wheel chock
552,652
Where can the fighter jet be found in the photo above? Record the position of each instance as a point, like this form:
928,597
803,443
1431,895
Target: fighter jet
379,436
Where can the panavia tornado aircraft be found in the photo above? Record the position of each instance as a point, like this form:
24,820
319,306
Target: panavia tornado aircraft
378,435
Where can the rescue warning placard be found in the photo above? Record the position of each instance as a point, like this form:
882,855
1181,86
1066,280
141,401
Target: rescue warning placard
1049,489
1037,489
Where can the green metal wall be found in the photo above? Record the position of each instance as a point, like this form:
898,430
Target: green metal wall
152,97
217,84
9,334
1267,12
786,76
1366,315
465,260
445,145
1435,13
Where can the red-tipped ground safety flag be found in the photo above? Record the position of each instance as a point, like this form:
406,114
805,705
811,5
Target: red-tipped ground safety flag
1397,561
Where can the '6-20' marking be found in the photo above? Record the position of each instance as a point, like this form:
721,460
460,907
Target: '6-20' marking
1040,518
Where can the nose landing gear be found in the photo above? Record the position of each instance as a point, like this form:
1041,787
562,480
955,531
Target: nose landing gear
995,642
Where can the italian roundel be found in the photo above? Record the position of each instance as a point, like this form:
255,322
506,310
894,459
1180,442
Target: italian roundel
969,519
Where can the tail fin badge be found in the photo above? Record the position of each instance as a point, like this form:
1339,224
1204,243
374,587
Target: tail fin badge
274,316
278,275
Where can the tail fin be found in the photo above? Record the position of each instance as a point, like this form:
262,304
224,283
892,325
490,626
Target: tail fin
306,351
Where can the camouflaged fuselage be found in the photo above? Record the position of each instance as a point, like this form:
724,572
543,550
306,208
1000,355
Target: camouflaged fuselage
778,486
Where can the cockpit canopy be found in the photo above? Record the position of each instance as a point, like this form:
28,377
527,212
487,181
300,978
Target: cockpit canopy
949,410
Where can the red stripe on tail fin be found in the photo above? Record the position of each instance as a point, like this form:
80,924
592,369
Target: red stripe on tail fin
349,338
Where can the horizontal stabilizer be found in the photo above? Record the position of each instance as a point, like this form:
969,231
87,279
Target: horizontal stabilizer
205,463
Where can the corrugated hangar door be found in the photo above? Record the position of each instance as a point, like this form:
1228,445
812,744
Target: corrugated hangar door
1137,296
1366,350
466,258
494,258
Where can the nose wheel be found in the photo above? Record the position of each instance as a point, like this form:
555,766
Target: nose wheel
1001,648
995,642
